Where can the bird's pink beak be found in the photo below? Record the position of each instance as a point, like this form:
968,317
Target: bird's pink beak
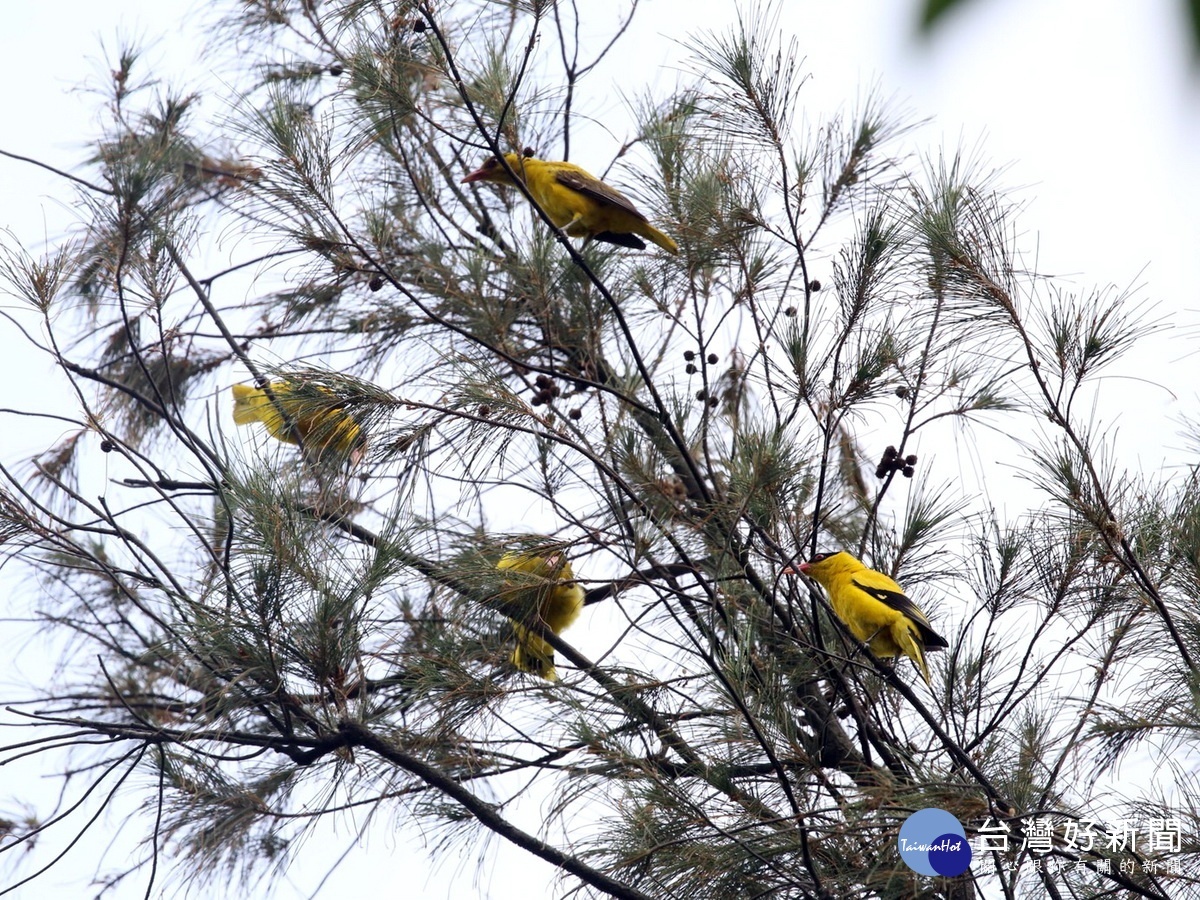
792,570
477,175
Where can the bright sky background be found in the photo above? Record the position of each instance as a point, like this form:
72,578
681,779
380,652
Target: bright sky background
1092,106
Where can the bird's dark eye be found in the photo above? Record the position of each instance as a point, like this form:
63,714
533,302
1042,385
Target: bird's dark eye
820,556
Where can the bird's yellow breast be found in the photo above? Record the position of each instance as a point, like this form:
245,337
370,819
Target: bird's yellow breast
549,586
564,206
869,620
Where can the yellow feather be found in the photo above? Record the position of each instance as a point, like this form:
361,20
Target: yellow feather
542,595
874,608
577,201
322,425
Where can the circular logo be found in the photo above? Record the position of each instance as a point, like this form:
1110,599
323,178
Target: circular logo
933,842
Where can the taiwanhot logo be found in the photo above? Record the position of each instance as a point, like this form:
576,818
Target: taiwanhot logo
933,842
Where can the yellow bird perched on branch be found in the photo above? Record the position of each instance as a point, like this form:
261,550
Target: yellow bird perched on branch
577,201
316,414
874,608
542,595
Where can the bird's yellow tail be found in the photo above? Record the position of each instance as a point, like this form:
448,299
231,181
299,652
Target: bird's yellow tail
650,233
533,654
907,638
248,404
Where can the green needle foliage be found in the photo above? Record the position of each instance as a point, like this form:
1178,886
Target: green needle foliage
265,643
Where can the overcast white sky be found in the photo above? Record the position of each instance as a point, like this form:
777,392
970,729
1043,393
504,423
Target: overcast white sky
1093,106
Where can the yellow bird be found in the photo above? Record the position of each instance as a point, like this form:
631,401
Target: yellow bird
577,201
315,412
874,608
542,594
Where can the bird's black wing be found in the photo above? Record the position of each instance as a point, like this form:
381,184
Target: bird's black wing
900,602
598,191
